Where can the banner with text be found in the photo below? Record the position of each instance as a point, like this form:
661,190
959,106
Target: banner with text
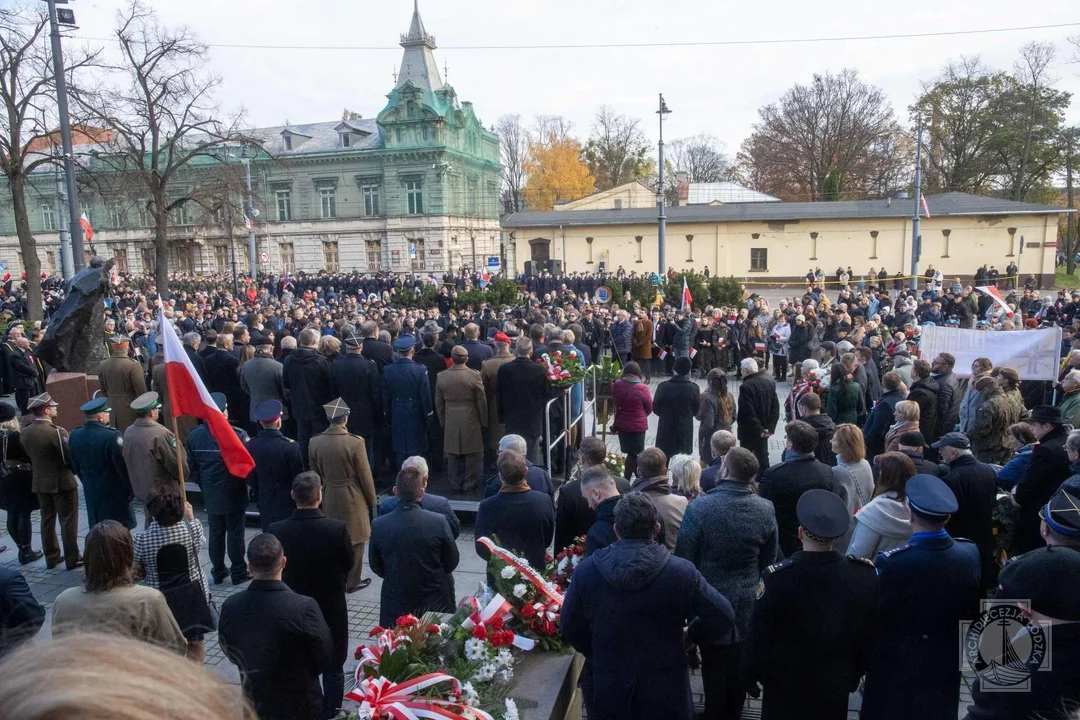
1034,354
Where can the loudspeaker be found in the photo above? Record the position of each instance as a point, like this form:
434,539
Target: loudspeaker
554,267
530,268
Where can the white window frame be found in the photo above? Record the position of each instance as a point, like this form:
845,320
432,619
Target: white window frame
371,200
414,196
283,201
48,217
346,140
328,202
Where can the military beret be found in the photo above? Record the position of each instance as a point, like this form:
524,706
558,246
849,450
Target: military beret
404,343
956,440
220,400
930,497
501,337
118,340
260,340
267,411
95,406
145,403
1062,513
42,400
823,513
336,409
1049,578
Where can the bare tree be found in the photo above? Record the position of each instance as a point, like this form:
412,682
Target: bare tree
702,158
617,151
29,109
551,129
514,145
158,102
833,126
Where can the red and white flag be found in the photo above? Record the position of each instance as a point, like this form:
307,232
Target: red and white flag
995,294
924,206
188,396
687,298
88,232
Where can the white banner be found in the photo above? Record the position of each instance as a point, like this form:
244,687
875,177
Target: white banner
1034,354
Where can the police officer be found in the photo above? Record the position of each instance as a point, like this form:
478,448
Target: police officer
277,462
407,402
97,457
151,453
812,624
341,460
46,445
122,380
926,588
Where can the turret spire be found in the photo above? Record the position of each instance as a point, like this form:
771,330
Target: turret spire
418,62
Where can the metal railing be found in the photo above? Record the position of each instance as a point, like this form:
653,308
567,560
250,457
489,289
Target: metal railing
569,421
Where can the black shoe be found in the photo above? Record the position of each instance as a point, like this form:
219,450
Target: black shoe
219,578
240,580
29,555
77,564
363,584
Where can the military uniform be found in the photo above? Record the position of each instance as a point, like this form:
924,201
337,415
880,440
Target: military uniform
122,380
54,484
463,412
991,428
150,453
348,488
407,404
811,629
97,457
277,461
159,383
489,373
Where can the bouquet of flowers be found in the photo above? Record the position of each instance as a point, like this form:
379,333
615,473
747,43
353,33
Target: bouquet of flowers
561,570
531,602
816,381
615,464
562,371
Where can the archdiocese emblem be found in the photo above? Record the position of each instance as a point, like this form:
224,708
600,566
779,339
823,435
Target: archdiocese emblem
1004,647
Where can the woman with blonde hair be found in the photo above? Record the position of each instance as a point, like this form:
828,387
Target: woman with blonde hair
906,416
883,523
685,476
853,478
330,347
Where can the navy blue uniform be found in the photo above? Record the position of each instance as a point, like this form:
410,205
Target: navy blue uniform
925,589
407,405
277,462
97,457
225,497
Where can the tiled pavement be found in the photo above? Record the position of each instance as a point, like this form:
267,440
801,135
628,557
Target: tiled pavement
363,605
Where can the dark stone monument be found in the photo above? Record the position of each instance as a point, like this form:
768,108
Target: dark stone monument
74,340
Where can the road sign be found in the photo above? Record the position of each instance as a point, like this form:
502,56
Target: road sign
493,261
264,257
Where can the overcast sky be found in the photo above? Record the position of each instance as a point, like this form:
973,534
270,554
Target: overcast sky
710,89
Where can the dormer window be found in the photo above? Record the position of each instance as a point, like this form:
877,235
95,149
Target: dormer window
286,142
346,140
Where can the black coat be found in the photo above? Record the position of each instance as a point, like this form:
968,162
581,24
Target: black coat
523,393
759,408
197,361
478,353
975,485
817,605
357,382
640,674
17,479
933,583
924,466
434,362
320,555
877,425
306,376
223,376
523,521
413,551
21,615
676,403
281,644
925,394
573,516
277,462
378,352
1049,468
784,484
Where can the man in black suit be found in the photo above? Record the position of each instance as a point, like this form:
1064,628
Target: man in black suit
357,382
322,557
413,551
785,483
523,393
374,349
435,363
210,344
277,638
192,341
478,351
759,411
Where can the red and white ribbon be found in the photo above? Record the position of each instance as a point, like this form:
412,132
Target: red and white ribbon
385,641
522,566
499,607
380,698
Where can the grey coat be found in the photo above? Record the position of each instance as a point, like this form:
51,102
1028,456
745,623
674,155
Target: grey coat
260,377
969,407
730,535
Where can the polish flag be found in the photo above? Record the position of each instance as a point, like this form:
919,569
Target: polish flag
995,294
687,298
188,396
924,206
88,232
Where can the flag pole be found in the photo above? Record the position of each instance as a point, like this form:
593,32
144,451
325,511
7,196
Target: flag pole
179,459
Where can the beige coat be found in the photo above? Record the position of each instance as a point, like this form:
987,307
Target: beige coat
47,446
136,611
121,379
341,460
462,409
489,373
184,423
150,453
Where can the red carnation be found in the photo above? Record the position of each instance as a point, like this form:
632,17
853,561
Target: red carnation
433,629
376,630
528,612
359,652
407,621
479,632
508,637
495,640
548,627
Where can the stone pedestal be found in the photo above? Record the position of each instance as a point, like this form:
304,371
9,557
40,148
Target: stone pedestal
71,390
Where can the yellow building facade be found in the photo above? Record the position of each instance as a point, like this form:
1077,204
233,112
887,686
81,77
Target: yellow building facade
779,242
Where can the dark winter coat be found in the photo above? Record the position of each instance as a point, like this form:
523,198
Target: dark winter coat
975,486
357,382
799,343
1049,468
523,395
637,584
877,425
925,394
759,408
407,405
308,379
784,484
222,493
676,403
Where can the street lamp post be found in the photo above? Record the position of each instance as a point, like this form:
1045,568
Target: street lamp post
74,227
250,213
661,219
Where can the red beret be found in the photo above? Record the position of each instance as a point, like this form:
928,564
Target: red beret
501,337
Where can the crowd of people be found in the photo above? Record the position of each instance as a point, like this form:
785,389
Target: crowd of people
901,491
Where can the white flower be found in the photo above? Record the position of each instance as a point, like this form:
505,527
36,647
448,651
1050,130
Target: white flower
511,710
506,675
485,672
520,589
475,650
504,658
508,572
468,694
